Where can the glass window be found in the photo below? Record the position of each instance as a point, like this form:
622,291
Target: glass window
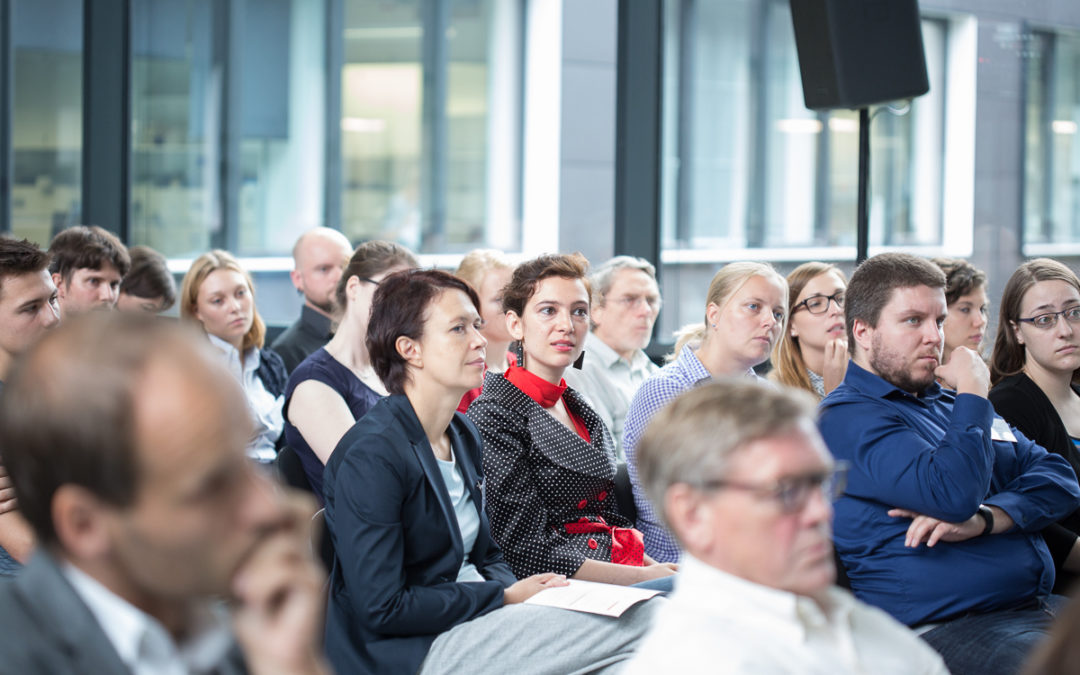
429,122
46,133
228,109
750,173
1052,158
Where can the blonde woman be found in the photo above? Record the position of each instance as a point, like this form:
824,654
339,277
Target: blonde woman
812,354
488,272
218,294
745,314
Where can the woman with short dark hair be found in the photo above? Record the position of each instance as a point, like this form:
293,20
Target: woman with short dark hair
549,459
418,584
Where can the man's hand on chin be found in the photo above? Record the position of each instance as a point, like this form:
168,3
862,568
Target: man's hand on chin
278,606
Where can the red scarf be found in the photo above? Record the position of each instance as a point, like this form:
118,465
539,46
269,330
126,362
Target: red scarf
544,393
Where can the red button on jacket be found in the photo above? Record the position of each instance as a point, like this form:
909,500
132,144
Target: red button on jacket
592,543
583,503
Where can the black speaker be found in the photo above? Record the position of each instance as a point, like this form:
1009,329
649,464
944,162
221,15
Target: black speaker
856,53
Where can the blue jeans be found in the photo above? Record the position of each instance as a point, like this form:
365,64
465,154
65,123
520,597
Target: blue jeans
994,642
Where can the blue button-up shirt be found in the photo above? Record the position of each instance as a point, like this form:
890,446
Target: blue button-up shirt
936,454
680,375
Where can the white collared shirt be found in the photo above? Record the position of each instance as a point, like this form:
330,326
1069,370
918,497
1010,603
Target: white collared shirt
265,407
142,642
608,382
719,623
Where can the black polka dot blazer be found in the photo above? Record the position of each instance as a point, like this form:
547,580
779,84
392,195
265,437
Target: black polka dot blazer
540,475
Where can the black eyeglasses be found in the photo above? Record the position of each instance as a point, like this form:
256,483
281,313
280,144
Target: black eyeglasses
1049,319
819,304
792,494
370,281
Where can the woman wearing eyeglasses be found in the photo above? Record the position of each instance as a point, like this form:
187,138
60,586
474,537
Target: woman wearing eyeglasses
336,385
812,353
1036,359
968,306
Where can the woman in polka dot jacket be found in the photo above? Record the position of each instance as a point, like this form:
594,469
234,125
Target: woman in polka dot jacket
549,461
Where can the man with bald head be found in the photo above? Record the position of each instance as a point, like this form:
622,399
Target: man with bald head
318,258
125,443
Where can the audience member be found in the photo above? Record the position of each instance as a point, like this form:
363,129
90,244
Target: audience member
146,518
745,309
488,271
968,306
549,461
336,385
741,477
1037,357
625,304
28,308
148,286
419,584
87,265
219,294
812,354
935,467
318,258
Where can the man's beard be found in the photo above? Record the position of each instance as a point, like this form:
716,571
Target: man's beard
891,367
326,307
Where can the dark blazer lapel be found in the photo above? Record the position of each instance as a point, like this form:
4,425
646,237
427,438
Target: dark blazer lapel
418,441
61,612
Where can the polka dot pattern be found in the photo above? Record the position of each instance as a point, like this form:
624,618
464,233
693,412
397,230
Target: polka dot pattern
540,475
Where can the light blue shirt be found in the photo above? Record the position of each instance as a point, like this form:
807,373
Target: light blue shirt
468,517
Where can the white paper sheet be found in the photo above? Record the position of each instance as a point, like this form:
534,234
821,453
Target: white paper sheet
592,597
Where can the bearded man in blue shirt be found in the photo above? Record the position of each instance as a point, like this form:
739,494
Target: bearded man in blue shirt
940,524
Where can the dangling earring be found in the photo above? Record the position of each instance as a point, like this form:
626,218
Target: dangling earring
519,353
579,360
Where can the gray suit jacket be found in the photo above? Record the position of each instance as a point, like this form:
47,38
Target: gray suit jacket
46,628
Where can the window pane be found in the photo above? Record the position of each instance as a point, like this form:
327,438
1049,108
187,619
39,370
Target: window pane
1052,171
228,114
47,117
176,125
430,98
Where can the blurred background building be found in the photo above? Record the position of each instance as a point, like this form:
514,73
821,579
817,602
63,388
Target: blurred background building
673,129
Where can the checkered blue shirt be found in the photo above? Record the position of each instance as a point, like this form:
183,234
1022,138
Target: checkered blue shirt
682,374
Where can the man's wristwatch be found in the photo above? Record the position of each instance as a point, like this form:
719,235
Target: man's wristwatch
988,518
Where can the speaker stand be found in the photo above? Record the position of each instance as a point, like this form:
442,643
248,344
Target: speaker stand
862,225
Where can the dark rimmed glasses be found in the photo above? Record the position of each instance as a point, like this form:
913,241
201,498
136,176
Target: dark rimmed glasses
1048,320
819,304
793,493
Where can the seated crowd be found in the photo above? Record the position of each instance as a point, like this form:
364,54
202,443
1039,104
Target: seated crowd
884,501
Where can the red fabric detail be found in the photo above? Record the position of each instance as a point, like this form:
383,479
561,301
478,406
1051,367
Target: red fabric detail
627,544
602,496
583,503
544,393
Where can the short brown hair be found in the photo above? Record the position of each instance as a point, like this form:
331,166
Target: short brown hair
54,432
200,269
961,277
399,308
370,259
1009,355
528,275
149,276
20,256
692,439
872,285
87,247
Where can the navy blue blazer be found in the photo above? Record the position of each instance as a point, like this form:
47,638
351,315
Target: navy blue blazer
398,545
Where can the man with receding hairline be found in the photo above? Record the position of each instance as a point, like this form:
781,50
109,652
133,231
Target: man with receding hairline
319,255
741,477
125,443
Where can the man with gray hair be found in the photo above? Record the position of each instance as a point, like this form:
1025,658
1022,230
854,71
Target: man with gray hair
741,477
625,303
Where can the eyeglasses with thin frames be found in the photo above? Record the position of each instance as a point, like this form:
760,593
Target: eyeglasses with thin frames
370,281
792,494
819,304
1048,320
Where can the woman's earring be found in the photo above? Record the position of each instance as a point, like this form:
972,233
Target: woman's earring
519,353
